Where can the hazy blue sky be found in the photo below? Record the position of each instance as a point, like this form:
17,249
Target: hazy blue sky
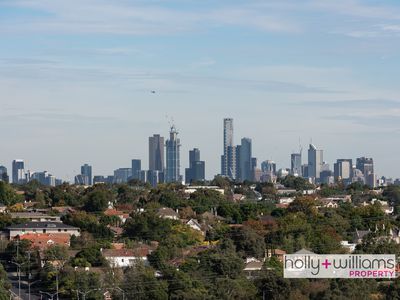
76,76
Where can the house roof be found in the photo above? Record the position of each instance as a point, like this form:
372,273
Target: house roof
114,212
167,212
25,215
304,251
254,266
41,225
279,252
138,252
44,240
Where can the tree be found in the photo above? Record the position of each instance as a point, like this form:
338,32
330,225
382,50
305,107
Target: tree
222,261
97,200
56,253
93,256
141,284
305,204
248,242
8,196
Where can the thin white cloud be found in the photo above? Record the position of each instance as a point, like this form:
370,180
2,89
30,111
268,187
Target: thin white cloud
136,18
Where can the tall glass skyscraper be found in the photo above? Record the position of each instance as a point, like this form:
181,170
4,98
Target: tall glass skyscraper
173,157
295,167
196,170
86,172
156,153
136,168
315,162
246,160
18,171
227,162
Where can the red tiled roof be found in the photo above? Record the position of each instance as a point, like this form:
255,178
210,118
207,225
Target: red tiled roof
45,240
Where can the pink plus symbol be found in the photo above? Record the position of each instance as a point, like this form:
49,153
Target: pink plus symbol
326,264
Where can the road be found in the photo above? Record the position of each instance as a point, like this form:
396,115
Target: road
13,278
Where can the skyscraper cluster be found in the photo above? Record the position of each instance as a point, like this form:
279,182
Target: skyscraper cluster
164,164
22,176
237,163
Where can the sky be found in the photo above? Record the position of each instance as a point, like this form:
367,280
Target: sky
76,78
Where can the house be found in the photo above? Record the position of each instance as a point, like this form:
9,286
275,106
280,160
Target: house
3,208
286,200
327,203
278,253
194,224
35,217
46,240
359,236
192,189
394,235
252,266
348,246
125,258
238,197
121,215
63,210
41,227
168,213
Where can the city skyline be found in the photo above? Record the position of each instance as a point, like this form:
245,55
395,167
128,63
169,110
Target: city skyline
247,167
78,78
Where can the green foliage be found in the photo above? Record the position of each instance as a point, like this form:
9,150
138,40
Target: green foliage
93,256
56,252
147,226
89,223
140,283
248,243
8,195
97,199
297,183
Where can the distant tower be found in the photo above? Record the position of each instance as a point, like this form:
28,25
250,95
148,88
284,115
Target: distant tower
86,172
295,160
18,171
227,162
246,160
366,166
136,168
196,170
173,156
315,162
156,153
3,174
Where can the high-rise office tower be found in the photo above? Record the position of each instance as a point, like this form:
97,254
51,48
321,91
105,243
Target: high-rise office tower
156,153
295,160
366,166
236,159
122,175
173,157
343,169
227,164
136,168
245,160
18,171
268,167
86,172
154,177
196,170
315,162
3,174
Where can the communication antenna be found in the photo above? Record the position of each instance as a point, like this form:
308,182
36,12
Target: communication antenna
300,147
171,122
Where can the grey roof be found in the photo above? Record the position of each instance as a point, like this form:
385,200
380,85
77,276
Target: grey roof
31,215
305,251
41,225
